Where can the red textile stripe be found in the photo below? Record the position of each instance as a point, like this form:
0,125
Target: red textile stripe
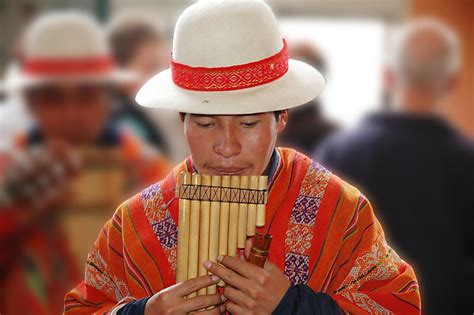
233,77
64,66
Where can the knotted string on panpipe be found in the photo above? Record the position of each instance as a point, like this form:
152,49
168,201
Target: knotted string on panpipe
216,215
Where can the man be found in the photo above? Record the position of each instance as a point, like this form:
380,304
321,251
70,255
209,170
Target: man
232,82
50,206
417,170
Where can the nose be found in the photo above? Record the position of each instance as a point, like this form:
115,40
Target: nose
228,144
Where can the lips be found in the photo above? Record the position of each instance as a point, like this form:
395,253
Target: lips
228,170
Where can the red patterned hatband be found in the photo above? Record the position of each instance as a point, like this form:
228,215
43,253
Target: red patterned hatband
58,66
233,77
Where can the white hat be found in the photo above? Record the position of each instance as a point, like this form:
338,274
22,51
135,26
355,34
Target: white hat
63,46
229,58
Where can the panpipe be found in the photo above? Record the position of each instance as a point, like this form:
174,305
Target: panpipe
216,215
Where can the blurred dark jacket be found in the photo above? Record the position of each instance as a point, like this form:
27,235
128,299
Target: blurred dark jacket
419,173
307,127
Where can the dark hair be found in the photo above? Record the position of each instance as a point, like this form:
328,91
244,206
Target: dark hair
278,114
126,37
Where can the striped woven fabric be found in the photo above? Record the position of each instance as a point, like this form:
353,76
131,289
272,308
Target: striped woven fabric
324,232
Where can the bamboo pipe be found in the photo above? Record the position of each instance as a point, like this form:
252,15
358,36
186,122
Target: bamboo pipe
183,232
204,232
224,220
194,234
243,208
261,208
214,230
252,208
233,220
224,223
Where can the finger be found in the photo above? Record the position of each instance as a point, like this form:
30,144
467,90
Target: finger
270,266
248,246
200,302
64,155
233,308
227,275
189,286
213,311
243,268
234,295
66,161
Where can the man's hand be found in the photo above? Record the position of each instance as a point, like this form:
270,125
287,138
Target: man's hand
172,299
250,289
36,179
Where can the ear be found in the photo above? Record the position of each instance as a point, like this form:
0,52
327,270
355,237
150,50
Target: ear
282,121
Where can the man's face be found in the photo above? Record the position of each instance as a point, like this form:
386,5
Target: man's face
232,145
72,112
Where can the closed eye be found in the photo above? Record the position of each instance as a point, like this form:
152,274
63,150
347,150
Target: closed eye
249,124
205,125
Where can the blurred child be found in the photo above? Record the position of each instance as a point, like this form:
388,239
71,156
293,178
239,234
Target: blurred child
58,186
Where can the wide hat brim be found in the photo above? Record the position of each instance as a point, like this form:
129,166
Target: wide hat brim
19,81
299,85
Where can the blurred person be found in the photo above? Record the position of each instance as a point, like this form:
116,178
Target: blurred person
137,45
307,126
57,186
328,254
416,168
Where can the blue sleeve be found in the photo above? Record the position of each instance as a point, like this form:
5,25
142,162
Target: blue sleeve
134,308
302,300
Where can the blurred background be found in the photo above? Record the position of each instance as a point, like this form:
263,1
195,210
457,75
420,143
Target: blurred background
415,163
360,26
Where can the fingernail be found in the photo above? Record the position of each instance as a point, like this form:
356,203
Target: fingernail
223,298
220,258
215,278
207,264
222,308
